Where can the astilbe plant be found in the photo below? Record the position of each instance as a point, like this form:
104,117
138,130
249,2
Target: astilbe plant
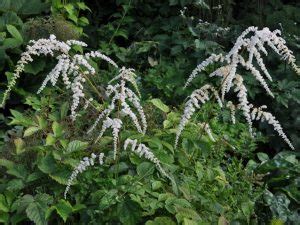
72,68
250,44
75,69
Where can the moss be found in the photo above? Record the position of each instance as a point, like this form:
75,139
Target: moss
42,27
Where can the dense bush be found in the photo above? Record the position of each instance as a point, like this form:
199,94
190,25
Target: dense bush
218,173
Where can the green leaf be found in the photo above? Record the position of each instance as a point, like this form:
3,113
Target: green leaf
30,131
262,156
36,67
61,176
36,213
145,168
11,43
156,185
64,110
76,146
47,164
4,217
50,139
161,221
160,105
57,129
247,209
20,144
129,212
3,204
64,209
7,163
42,123
14,32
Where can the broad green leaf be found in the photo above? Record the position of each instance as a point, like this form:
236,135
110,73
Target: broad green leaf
20,119
262,156
160,105
189,222
64,209
129,212
11,43
57,129
30,131
20,144
61,176
64,110
36,67
156,185
7,163
173,203
47,164
14,32
50,139
145,168
42,123
161,221
36,213
77,145
3,204
4,217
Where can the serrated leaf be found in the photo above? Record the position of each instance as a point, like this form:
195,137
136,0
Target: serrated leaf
30,131
61,176
36,213
64,209
145,168
77,145
129,212
160,105
47,164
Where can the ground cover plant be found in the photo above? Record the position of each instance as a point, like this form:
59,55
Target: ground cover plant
106,120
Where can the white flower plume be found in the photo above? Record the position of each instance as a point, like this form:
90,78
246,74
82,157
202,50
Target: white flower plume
125,102
72,68
250,46
82,166
143,151
198,97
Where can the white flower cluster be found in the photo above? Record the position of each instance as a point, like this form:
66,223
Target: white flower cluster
72,68
126,101
115,124
251,43
207,129
83,165
232,109
259,114
143,151
243,100
199,96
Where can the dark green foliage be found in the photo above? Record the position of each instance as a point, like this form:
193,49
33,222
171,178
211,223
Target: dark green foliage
235,180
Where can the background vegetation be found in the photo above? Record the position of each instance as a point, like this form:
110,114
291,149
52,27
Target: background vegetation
235,180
